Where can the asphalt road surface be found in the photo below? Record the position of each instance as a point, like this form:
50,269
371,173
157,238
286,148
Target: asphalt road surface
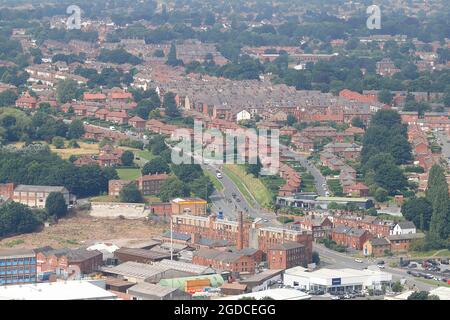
336,260
319,179
229,205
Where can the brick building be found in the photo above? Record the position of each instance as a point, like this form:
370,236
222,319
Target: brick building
194,206
350,237
286,255
67,261
6,191
151,184
225,261
36,196
139,255
268,237
374,225
402,242
319,226
376,247
161,208
115,186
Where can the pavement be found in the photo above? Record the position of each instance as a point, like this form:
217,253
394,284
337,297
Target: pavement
444,139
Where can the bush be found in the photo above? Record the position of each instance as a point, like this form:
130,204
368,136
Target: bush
135,144
284,219
58,142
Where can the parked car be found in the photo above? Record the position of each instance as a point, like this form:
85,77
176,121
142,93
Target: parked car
381,266
335,297
412,265
358,260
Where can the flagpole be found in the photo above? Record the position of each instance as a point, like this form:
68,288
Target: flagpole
171,238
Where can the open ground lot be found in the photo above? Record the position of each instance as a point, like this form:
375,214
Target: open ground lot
82,229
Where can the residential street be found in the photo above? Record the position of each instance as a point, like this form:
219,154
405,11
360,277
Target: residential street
318,177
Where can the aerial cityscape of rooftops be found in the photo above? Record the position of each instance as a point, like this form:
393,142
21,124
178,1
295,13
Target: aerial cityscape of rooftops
224,150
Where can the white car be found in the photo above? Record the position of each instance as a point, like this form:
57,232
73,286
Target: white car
381,266
358,260
219,175
334,297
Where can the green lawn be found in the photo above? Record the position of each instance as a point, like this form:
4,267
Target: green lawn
217,184
431,253
434,282
129,173
145,154
257,189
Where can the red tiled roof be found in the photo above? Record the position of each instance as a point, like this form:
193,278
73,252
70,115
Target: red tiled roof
94,96
136,119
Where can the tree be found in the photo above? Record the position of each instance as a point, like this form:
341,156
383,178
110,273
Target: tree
58,142
56,205
202,187
358,123
172,188
130,194
158,53
419,211
315,257
76,129
172,57
8,98
170,105
254,169
187,172
127,158
421,295
16,218
437,194
291,119
397,287
385,96
67,90
381,195
156,165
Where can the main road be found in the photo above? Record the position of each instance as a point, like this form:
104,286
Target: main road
336,260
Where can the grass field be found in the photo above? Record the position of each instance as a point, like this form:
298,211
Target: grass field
250,183
217,184
85,148
434,282
129,173
431,253
145,154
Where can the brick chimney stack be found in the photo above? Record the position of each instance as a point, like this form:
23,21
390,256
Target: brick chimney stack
240,240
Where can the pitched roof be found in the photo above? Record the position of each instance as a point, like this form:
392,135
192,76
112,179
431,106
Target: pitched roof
286,246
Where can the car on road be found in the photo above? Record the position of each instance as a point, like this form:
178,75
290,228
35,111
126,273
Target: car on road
238,200
335,298
233,195
266,220
358,260
381,266
112,128
219,175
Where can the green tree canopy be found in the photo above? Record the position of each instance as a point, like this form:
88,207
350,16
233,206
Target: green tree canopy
55,204
131,194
